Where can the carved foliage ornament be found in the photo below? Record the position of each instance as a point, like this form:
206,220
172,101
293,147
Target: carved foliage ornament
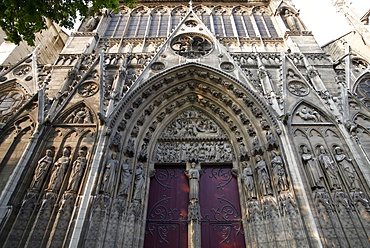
191,45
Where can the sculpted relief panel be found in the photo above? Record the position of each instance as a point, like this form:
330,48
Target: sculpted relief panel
193,135
335,188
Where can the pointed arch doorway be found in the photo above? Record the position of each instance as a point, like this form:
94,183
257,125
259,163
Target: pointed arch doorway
179,215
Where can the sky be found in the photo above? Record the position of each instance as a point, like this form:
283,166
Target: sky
324,21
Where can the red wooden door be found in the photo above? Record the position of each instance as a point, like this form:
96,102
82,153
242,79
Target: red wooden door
166,224
220,209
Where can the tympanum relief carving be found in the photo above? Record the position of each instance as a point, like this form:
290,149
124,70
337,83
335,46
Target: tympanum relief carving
192,134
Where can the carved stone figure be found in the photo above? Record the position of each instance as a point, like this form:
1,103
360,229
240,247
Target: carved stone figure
243,152
346,165
80,116
309,115
194,176
41,170
139,182
256,147
314,174
351,127
271,142
77,171
264,124
60,168
126,177
292,21
263,176
330,168
250,130
248,182
278,172
92,23
109,177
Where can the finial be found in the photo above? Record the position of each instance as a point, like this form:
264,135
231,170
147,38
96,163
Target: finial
191,5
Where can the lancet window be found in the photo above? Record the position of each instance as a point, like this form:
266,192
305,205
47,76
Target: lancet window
159,22
222,22
138,23
177,15
243,23
117,25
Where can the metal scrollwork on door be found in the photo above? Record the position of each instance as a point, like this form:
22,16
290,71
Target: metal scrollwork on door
220,208
163,176
223,176
166,223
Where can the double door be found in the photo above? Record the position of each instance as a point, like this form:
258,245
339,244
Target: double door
167,223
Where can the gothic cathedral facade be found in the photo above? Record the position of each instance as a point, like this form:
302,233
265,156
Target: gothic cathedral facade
177,124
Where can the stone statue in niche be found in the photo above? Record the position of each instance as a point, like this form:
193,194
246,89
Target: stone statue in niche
109,177
278,171
330,168
264,124
139,182
256,112
250,130
313,171
194,175
271,142
346,166
248,182
92,23
126,177
42,169
256,147
292,21
243,152
60,168
263,176
77,171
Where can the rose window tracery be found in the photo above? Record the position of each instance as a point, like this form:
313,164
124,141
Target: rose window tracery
9,102
363,92
191,45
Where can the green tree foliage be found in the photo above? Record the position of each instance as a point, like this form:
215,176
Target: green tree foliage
21,19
